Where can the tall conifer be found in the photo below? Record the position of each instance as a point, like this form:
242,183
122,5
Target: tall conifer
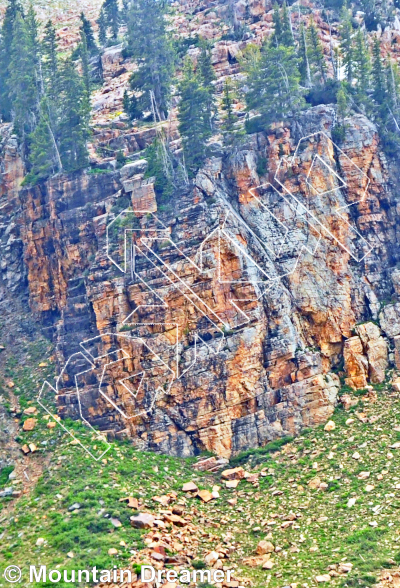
193,117
152,50
315,54
87,28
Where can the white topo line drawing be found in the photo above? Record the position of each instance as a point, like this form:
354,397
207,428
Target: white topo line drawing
145,243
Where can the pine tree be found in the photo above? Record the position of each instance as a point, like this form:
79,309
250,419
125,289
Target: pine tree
378,75
282,34
277,22
111,11
87,28
153,53
339,130
207,77
50,59
342,101
85,63
228,124
274,86
50,82
6,37
286,28
304,66
23,90
124,12
315,54
346,44
33,34
392,75
193,117
73,130
102,28
42,153
362,65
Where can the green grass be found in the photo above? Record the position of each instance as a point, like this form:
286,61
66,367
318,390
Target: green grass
287,464
4,475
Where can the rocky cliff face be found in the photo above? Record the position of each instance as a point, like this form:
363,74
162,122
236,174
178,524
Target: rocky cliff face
239,303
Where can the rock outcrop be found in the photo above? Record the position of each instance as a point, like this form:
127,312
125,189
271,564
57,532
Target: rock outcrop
289,318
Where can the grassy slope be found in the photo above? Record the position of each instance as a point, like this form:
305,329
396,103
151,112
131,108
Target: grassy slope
307,547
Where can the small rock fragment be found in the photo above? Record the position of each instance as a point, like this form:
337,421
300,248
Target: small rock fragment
211,558
205,495
142,521
29,424
233,474
189,487
264,547
232,483
330,426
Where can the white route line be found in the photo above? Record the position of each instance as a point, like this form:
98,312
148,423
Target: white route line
339,211
144,247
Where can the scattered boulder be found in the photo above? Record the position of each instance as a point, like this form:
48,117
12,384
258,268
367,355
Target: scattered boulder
211,558
265,547
330,426
314,483
205,495
29,424
142,521
132,502
189,487
175,520
233,474
30,410
232,483
345,568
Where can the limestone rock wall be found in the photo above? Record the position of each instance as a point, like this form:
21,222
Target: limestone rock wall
264,326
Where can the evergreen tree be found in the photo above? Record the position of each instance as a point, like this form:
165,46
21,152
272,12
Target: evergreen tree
193,117
153,52
85,63
207,76
102,28
42,152
23,90
282,34
315,54
277,22
346,44
50,79
392,85
228,124
304,66
111,11
362,66
342,101
87,29
33,35
339,130
378,74
274,85
124,12
6,37
50,60
286,28
73,130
